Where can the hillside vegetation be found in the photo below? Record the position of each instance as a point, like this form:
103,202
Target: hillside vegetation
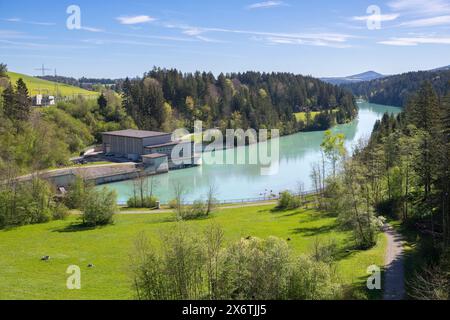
168,99
398,89
36,86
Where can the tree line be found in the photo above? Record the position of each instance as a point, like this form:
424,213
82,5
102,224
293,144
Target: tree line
165,99
398,89
407,172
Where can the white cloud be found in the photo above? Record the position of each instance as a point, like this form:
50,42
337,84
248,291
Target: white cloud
91,29
130,20
38,23
125,42
266,5
12,34
414,41
305,41
336,40
377,17
421,7
428,22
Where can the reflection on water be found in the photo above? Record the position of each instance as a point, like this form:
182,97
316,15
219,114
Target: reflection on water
297,153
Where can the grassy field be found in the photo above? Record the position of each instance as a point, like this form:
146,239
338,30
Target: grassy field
36,86
24,276
301,116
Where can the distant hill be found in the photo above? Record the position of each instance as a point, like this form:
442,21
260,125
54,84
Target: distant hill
397,89
365,76
36,86
441,68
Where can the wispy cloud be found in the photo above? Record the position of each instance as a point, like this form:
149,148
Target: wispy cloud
428,22
131,20
377,17
421,7
337,40
307,42
91,29
414,41
39,46
123,42
12,34
38,23
266,5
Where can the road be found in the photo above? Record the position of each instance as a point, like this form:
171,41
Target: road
394,276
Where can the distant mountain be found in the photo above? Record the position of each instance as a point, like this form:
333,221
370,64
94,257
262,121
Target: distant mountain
365,76
396,90
442,68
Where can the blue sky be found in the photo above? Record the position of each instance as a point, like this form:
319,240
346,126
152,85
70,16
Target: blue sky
320,38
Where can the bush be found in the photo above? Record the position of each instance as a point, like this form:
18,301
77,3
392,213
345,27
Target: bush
288,201
255,269
78,190
60,212
173,204
197,210
99,207
146,202
313,280
25,203
191,267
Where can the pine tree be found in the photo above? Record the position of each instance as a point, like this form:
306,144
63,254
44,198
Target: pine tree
22,101
102,104
9,103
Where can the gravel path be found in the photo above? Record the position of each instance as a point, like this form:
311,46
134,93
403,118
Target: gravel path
235,206
394,274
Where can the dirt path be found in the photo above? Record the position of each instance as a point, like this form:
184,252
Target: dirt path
394,274
234,206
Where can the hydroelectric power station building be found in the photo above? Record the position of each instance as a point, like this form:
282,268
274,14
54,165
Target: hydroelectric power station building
152,148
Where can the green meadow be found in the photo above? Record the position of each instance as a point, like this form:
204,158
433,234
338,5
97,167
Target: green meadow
36,86
24,276
301,116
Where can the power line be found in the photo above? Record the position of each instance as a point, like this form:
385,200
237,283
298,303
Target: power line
43,69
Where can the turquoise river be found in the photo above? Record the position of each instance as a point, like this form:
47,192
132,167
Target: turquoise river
297,153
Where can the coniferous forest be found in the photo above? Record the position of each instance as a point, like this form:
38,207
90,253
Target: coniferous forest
406,171
242,100
396,90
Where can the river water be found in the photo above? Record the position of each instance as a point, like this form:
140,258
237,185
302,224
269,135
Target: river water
297,153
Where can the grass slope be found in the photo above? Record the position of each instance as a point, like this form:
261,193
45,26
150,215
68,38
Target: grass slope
24,276
36,85
301,116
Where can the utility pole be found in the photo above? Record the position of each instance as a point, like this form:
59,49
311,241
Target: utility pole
43,69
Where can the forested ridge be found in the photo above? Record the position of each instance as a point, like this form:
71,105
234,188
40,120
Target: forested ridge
166,99
406,168
396,90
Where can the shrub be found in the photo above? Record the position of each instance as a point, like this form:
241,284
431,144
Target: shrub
191,267
78,190
99,207
25,203
288,201
60,212
198,209
324,252
146,202
313,280
173,204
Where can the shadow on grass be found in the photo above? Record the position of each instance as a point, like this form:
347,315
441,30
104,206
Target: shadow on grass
77,227
358,290
315,231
